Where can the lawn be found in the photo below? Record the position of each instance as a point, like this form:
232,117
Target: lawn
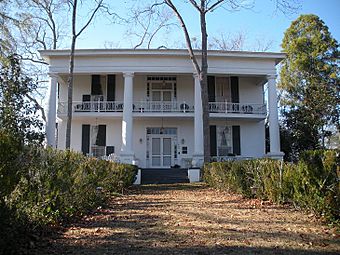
192,219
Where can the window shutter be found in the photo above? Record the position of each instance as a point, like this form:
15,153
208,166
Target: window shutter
211,88
236,140
85,139
235,98
96,88
101,136
213,141
111,87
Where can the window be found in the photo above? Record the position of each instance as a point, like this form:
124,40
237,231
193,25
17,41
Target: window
157,131
224,140
161,88
222,89
184,150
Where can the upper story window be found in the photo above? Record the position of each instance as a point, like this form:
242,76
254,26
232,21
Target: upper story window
223,89
161,88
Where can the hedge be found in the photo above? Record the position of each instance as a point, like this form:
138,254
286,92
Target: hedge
46,186
312,183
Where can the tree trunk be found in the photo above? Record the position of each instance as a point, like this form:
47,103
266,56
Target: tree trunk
70,78
204,84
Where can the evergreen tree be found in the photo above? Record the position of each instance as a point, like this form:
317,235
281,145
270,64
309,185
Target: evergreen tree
18,116
310,83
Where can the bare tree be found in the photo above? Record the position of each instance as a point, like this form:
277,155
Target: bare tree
224,41
75,34
42,26
239,42
38,25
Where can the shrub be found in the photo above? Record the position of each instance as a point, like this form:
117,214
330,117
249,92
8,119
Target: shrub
312,183
41,186
251,178
315,183
61,184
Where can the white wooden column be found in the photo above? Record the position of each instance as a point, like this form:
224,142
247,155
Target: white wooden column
198,157
51,112
127,154
274,133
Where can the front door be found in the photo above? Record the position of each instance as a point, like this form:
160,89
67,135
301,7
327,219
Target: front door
161,152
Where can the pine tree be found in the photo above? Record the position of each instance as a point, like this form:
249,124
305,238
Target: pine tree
310,83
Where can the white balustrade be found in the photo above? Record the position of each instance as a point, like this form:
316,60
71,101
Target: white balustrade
239,108
162,106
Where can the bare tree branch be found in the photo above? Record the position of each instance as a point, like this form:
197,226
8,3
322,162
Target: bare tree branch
99,5
186,34
38,106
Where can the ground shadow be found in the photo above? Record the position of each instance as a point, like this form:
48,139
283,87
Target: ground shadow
141,232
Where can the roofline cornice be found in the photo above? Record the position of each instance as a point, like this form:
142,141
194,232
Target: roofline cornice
160,52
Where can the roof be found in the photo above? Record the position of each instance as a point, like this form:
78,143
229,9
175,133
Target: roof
47,54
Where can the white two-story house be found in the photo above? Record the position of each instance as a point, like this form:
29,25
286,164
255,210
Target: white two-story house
144,106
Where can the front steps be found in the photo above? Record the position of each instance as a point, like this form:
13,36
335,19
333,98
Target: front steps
164,176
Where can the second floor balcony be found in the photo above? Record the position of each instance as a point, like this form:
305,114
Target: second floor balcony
220,108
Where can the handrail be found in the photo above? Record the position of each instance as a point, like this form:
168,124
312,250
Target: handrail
239,108
162,106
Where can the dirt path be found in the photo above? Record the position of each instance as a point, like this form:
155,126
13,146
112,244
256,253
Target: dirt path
193,219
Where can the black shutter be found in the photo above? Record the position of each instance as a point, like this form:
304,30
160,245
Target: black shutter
85,139
96,88
110,150
111,87
211,88
101,136
235,98
213,141
236,140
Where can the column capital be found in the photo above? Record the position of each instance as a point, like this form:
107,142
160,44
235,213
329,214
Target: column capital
128,74
271,76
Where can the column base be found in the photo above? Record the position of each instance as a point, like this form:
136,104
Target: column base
197,160
275,155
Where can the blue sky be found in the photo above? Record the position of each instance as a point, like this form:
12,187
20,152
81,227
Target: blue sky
260,23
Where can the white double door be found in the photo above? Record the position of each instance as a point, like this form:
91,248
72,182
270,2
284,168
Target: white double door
161,151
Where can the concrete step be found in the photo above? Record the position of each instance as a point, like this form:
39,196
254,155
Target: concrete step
164,176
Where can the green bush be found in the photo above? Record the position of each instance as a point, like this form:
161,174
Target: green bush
251,178
312,183
315,183
41,186
61,184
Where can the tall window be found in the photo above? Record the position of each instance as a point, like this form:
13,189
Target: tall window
224,140
161,88
222,89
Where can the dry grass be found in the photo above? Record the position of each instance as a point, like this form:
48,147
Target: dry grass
193,219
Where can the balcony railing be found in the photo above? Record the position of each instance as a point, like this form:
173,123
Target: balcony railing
114,106
239,108
92,106
162,106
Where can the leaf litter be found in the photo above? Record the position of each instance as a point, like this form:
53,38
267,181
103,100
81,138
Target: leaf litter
192,219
